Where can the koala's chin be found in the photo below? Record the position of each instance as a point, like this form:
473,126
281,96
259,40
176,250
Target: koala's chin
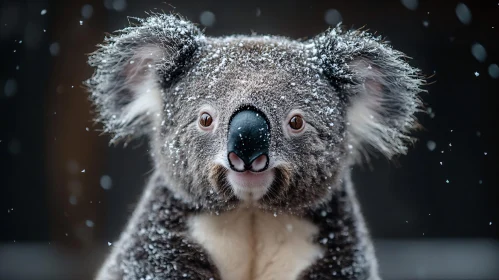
250,186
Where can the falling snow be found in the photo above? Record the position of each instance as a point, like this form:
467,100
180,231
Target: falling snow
86,11
332,17
89,223
479,52
431,145
106,182
10,88
54,49
207,18
463,13
410,4
493,71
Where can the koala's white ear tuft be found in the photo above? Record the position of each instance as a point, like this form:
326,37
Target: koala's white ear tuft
132,68
381,87
143,85
380,114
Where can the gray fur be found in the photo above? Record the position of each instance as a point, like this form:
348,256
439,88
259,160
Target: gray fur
154,245
349,251
324,77
400,83
119,64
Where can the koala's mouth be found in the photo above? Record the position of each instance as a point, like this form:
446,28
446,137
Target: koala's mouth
251,186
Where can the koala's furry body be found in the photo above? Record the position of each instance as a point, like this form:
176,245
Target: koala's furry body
198,219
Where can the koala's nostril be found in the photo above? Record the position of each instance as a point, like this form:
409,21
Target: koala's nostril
260,163
248,141
236,162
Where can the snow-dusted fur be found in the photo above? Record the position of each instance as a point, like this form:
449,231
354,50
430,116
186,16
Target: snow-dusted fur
381,85
129,65
356,95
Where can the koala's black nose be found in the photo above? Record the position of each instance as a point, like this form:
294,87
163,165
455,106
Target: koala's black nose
248,141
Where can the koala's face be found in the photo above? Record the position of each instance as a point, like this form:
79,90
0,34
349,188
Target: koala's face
255,120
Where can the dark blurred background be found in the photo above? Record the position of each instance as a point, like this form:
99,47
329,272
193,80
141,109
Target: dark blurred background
65,195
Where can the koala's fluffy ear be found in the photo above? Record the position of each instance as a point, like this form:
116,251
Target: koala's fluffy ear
381,88
133,66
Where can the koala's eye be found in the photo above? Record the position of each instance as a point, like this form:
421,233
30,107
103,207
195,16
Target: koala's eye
205,120
296,122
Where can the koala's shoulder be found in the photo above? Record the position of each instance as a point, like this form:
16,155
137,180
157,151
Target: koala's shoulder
153,239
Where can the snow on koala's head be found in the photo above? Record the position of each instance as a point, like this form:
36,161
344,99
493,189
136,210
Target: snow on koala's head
253,119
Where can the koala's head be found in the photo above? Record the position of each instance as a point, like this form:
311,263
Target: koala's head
253,119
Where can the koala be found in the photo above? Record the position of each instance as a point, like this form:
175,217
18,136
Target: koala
252,141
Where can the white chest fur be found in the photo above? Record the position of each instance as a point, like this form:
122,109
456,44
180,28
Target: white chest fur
248,244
